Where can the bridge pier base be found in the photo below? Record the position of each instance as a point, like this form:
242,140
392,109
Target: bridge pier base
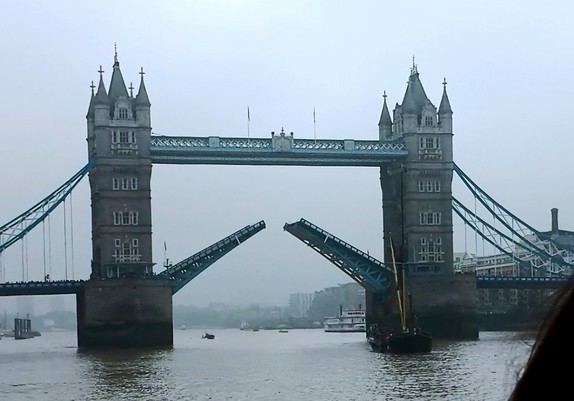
445,305
125,313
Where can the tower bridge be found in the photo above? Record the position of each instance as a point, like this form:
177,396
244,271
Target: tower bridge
126,302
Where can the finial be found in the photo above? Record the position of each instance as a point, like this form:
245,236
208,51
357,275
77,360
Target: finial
385,95
92,86
101,71
444,83
115,53
282,131
414,69
131,88
141,72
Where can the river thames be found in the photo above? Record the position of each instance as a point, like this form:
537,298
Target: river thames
263,365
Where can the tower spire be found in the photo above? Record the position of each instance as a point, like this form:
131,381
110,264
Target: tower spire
414,69
444,107
117,85
142,98
385,122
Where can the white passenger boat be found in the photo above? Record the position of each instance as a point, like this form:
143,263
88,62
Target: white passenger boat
348,321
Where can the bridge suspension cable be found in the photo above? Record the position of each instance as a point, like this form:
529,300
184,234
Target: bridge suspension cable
549,254
18,227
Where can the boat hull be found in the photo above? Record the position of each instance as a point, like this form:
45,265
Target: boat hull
378,344
411,342
353,330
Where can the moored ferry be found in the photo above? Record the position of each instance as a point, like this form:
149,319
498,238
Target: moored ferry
348,321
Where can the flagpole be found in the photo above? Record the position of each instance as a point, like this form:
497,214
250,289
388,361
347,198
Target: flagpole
314,126
248,121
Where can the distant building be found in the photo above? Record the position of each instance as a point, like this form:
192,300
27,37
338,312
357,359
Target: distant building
299,304
328,301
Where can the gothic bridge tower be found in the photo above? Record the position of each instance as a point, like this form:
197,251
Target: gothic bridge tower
119,303
417,216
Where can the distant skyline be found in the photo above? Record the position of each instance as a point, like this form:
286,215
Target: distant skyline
506,64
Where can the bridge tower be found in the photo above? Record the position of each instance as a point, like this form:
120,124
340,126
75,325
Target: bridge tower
120,302
417,217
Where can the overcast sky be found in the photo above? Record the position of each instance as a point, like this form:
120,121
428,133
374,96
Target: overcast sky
508,70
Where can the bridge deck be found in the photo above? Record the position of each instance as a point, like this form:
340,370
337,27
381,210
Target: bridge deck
42,287
277,150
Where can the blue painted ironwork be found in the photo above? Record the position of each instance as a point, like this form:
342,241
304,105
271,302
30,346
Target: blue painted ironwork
18,227
555,257
42,287
361,267
506,282
183,272
531,257
278,150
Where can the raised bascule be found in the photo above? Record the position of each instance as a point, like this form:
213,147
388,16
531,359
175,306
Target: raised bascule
127,303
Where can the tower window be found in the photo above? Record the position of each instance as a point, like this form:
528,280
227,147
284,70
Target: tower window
123,136
430,219
122,113
127,251
431,250
429,142
126,218
429,186
125,183
428,121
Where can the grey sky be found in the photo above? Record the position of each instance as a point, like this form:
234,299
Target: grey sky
508,70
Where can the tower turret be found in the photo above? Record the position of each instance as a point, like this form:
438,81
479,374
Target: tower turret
101,104
142,104
445,111
385,122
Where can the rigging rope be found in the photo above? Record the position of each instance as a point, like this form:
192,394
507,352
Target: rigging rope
65,244
27,264
2,273
44,248
22,259
72,233
49,246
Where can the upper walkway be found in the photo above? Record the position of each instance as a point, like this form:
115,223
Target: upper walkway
281,149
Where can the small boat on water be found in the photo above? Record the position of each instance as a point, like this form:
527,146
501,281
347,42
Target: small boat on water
208,336
283,331
349,321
